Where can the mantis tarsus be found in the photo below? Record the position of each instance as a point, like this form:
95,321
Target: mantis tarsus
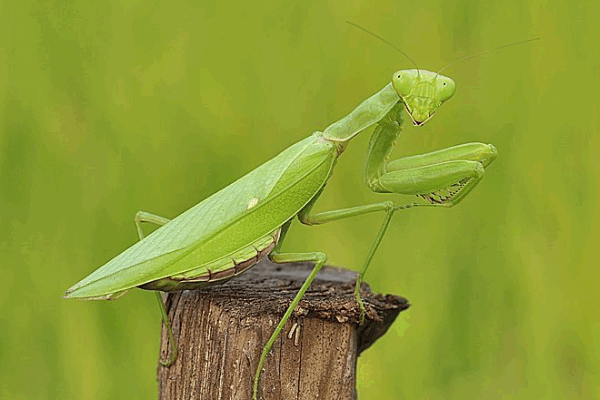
230,231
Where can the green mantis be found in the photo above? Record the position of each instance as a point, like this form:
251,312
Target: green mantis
233,229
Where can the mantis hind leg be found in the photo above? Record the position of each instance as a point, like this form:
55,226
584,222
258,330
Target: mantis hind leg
319,259
165,318
141,217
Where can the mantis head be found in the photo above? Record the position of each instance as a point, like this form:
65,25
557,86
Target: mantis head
422,92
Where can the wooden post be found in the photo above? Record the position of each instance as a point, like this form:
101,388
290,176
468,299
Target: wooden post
221,330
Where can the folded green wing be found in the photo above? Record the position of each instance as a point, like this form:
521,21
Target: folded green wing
220,225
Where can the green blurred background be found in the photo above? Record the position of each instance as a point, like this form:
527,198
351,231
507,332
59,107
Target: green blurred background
110,107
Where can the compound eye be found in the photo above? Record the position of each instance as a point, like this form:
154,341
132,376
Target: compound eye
445,88
403,83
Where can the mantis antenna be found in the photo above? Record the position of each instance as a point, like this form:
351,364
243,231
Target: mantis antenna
386,42
482,53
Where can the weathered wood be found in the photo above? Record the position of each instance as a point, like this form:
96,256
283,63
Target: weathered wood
221,330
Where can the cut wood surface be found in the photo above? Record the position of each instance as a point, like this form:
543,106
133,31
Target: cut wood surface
221,330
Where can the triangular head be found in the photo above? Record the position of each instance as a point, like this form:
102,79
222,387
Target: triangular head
422,92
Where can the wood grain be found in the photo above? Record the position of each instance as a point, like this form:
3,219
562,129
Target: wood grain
221,331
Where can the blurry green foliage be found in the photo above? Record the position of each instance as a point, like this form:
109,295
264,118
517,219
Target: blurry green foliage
114,106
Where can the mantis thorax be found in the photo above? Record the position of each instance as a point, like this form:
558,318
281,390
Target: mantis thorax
422,92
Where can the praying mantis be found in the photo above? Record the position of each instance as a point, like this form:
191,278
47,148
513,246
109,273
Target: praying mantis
230,231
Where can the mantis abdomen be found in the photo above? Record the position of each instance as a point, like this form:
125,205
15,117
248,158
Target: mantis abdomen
219,271
221,228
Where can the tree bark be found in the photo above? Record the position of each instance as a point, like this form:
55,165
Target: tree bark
221,331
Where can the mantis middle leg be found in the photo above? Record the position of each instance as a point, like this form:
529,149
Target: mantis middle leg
319,259
141,217
443,178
